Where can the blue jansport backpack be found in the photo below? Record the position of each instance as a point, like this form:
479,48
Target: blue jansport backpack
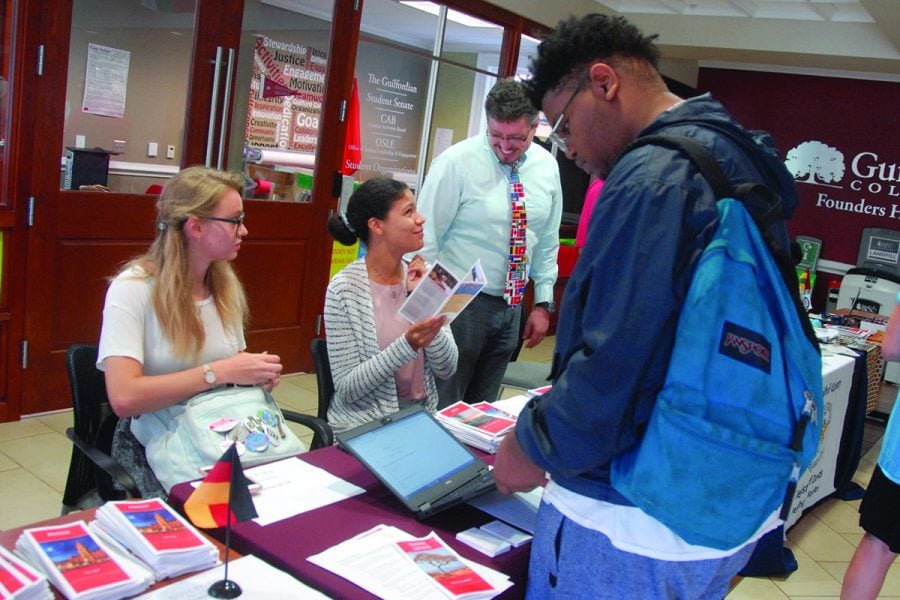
736,421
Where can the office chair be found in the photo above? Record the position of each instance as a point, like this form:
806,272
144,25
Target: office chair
323,436
319,350
524,374
91,468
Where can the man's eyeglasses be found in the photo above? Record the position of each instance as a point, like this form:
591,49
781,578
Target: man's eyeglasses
512,139
560,132
236,221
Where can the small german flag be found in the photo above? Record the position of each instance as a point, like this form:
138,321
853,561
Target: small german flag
208,506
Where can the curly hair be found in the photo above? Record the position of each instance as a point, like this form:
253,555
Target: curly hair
578,42
508,101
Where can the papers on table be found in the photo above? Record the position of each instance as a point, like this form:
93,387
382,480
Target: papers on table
79,564
519,509
157,535
257,578
512,405
291,487
394,565
480,425
19,580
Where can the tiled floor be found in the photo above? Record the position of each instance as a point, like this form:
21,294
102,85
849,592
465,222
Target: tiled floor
34,458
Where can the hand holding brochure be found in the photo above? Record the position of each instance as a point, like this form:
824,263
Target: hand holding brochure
443,293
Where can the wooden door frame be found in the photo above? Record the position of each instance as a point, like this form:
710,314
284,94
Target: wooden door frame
22,25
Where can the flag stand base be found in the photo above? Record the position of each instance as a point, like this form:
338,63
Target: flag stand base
225,588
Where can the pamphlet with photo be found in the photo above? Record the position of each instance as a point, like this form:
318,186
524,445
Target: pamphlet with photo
445,568
442,292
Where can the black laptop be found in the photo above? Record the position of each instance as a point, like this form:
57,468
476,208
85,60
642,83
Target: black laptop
427,468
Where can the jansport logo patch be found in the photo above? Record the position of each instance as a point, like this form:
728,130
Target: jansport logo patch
746,346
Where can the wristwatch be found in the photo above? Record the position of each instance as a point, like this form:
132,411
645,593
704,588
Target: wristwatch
550,307
209,376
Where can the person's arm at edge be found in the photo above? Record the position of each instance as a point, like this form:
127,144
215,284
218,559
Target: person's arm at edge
890,346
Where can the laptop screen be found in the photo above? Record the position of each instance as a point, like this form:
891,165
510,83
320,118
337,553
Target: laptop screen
411,453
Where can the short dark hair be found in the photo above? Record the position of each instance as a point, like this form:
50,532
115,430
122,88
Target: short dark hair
373,198
508,101
579,41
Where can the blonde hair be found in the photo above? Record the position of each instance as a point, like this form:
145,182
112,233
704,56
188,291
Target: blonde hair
193,192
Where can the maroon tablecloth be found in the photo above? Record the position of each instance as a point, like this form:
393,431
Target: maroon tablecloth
287,544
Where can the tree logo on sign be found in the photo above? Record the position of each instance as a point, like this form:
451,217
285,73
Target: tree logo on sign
817,163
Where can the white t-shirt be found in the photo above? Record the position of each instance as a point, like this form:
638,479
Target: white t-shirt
131,329
632,530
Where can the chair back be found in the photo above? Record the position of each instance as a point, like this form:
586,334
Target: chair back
319,350
94,422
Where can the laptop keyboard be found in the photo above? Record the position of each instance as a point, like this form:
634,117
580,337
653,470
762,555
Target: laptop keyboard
483,482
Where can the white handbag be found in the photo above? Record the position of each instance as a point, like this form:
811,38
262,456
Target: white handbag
197,432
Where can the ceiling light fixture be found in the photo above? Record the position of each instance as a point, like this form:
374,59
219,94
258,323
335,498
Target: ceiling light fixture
452,15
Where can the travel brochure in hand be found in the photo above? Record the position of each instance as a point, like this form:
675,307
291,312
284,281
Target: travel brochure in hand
442,292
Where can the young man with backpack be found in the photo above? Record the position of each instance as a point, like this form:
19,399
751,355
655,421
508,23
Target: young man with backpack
597,81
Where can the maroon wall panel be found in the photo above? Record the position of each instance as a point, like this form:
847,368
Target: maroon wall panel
841,139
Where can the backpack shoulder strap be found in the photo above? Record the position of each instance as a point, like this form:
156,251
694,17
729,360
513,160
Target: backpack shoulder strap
698,155
762,204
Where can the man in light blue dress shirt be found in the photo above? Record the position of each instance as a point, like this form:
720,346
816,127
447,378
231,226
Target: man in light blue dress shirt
466,204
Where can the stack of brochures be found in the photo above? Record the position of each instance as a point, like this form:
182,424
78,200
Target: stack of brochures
157,535
390,563
79,564
479,425
19,580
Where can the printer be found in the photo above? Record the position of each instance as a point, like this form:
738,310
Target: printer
873,284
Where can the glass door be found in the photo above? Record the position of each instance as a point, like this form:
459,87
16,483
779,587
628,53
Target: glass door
129,73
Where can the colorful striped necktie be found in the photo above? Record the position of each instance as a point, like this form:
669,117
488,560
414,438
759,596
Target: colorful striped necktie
515,270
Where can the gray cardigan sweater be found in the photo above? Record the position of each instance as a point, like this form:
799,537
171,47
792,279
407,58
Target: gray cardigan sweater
364,388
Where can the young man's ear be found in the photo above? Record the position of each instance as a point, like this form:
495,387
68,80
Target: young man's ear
604,80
